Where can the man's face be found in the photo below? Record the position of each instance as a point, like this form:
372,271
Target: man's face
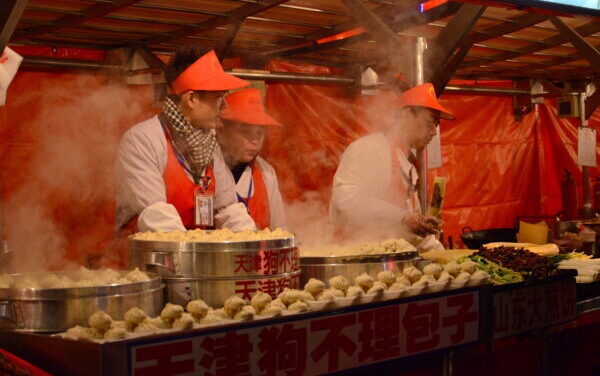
204,107
241,141
423,122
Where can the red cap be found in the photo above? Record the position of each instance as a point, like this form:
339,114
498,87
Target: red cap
206,74
423,96
246,106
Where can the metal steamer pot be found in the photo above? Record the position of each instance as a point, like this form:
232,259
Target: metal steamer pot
476,239
326,267
56,310
214,271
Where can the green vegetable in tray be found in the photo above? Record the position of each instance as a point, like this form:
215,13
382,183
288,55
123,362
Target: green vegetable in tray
498,274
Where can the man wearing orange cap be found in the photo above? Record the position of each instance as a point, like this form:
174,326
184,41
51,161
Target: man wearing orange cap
241,139
374,188
170,170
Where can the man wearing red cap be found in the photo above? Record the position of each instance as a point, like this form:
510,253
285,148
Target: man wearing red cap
170,171
241,139
374,188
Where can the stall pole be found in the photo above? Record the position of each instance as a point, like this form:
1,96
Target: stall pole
421,46
585,170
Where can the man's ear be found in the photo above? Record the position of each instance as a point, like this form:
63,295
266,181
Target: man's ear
188,99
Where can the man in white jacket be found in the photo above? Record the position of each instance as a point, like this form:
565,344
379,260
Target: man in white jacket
374,188
170,171
241,138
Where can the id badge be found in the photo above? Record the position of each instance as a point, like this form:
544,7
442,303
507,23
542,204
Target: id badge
204,204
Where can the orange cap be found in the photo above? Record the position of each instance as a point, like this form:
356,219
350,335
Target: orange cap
206,74
423,96
246,106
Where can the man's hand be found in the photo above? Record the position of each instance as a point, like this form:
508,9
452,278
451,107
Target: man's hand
422,225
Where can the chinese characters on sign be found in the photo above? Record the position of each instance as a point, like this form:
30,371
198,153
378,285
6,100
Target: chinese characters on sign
519,310
267,262
318,345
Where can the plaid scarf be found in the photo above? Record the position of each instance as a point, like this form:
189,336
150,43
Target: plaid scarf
200,143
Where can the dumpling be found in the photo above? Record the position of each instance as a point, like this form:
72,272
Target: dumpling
305,296
122,324
314,286
211,319
26,283
289,296
247,313
463,277
219,313
108,276
171,311
339,282
354,291
135,316
136,275
380,284
377,288
49,281
480,274
198,308
423,281
364,281
335,292
158,322
403,280
298,306
260,300
272,310
413,274
278,303
115,333
325,296
397,286
233,305
433,269
468,267
100,320
146,327
183,322
386,277
452,268
80,332
445,276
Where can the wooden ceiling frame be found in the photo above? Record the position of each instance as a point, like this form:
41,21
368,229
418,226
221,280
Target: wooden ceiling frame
584,30
584,47
71,20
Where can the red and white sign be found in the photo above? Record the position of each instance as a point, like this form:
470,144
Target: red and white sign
267,262
520,310
318,345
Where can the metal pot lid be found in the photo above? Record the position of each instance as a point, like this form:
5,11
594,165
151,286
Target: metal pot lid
359,259
222,246
79,292
174,278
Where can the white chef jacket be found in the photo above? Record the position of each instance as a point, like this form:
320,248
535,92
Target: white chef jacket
361,206
276,208
141,162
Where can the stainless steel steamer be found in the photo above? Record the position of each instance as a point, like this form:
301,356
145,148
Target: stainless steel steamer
214,271
326,267
55,310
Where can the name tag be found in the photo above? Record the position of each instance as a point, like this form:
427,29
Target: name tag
204,205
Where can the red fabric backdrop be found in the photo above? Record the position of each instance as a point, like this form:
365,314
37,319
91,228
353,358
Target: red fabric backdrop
59,132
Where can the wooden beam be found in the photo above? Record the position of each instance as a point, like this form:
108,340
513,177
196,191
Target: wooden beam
508,27
94,11
397,22
593,102
382,34
241,12
584,30
10,13
150,58
450,38
443,75
585,48
232,29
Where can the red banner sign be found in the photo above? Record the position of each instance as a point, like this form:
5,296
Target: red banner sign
520,310
318,345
